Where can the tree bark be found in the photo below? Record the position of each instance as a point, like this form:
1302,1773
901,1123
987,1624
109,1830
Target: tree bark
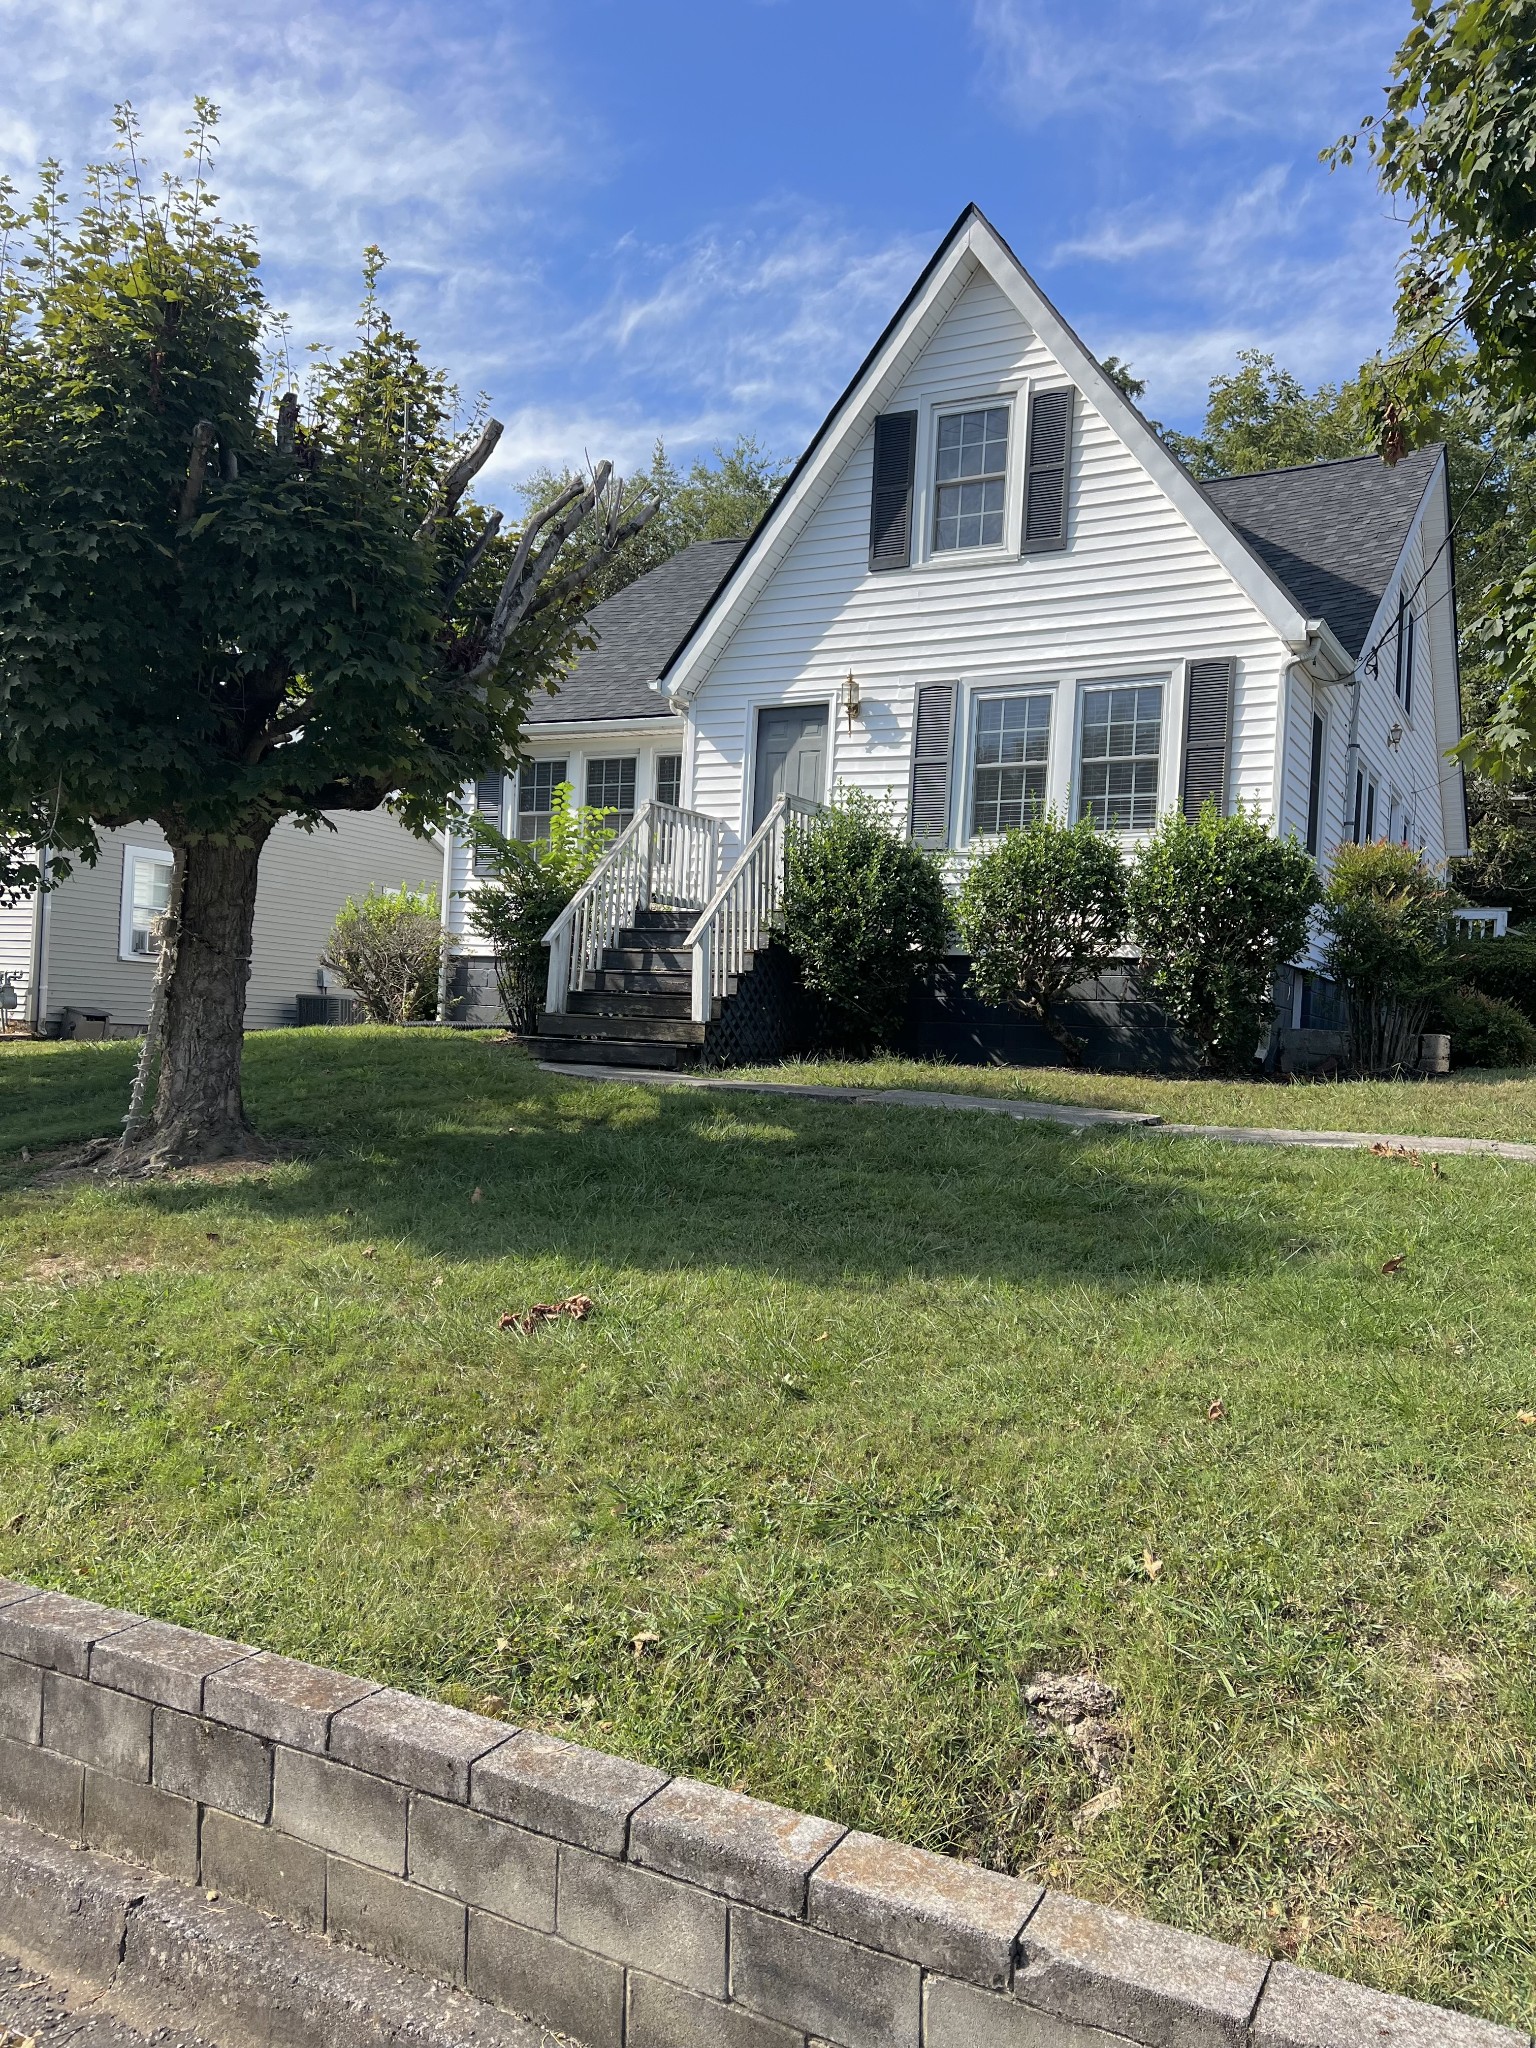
199,1114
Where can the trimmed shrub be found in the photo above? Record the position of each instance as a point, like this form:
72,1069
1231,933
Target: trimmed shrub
1504,968
388,949
525,886
1041,910
1386,920
1484,1031
1218,905
864,915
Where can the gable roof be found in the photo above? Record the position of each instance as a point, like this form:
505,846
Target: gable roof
973,244
1332,532
637,629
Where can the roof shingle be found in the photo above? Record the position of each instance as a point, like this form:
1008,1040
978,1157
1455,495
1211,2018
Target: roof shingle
1331,531
637,628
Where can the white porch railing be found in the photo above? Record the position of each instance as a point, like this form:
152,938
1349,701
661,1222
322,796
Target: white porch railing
664,859
739,915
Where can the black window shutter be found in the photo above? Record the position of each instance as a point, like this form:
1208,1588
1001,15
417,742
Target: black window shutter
1408,634
1207,735
1047,462
932,753
890,498
488,792
1315,787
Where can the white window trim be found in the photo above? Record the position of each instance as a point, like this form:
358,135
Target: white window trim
1001,402
983,692
132,854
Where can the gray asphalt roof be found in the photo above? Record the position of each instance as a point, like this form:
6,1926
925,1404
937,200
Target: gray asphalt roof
637,628
1331,531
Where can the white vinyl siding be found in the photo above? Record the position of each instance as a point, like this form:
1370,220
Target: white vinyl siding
1137,593
18,945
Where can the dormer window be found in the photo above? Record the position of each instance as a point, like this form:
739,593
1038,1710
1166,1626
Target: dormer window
970,479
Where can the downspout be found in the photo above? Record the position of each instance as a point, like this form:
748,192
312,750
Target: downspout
39,989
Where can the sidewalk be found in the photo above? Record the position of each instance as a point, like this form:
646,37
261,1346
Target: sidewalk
1074,1115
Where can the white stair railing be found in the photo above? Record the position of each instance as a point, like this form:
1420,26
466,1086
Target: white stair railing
738,918
664,859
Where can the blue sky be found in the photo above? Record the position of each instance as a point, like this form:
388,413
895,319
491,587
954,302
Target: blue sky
624,218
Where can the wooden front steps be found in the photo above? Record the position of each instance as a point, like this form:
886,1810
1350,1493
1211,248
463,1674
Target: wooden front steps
638,1013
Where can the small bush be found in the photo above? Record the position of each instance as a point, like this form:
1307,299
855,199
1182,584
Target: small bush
1505,968
388,949
528,883
1218,905
1386,921
1484,1031
1039,911
864,915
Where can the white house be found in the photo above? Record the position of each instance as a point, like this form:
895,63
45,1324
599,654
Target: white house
987,588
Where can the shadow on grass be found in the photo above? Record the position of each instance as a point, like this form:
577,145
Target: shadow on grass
400,1130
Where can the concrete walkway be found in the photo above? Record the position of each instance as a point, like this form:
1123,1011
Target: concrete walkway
1076,1116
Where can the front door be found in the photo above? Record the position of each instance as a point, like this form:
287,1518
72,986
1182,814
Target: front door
791,756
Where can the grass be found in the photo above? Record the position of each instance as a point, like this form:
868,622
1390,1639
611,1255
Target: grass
1477,1104
879,1413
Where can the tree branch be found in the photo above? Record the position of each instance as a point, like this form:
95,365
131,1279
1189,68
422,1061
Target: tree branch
459,479
203,437
473,560
287,426
551,528
614,538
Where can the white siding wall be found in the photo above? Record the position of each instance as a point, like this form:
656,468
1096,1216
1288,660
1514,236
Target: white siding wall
305,878
1135,593
1411,777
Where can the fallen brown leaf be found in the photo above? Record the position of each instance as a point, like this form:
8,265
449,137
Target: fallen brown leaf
1217,1412
577,1306
642,1642
1396,1263
1526,1417
369,1251
1152,1566
477,1196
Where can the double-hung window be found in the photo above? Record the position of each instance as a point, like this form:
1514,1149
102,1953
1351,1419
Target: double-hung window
669,779
611,787
537,782
1010,757
146,900
1122,737
970,479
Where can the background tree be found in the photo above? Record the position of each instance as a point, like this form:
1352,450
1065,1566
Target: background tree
1040,911
1456,146
217,610
1260,416
1218,905
719,500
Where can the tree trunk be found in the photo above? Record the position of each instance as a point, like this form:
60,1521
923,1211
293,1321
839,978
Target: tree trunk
199,1114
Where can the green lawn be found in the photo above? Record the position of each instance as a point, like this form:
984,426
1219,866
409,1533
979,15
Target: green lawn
1470,1105
879,1413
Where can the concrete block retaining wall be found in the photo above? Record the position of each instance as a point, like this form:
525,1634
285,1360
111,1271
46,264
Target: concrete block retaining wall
600,1897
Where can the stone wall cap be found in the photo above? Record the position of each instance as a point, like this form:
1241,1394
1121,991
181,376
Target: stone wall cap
159,1661
1161,1985
743,1847
582,1796
949,1916
280,1698
1303,2009
12,1590
414,1741
58,1631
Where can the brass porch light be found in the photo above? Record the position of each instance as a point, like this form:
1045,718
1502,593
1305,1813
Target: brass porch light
851,699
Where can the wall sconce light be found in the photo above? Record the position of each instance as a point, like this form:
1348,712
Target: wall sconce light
851,699
1395,737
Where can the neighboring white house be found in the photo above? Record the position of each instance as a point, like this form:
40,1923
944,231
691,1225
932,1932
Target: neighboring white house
89,946
988,588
